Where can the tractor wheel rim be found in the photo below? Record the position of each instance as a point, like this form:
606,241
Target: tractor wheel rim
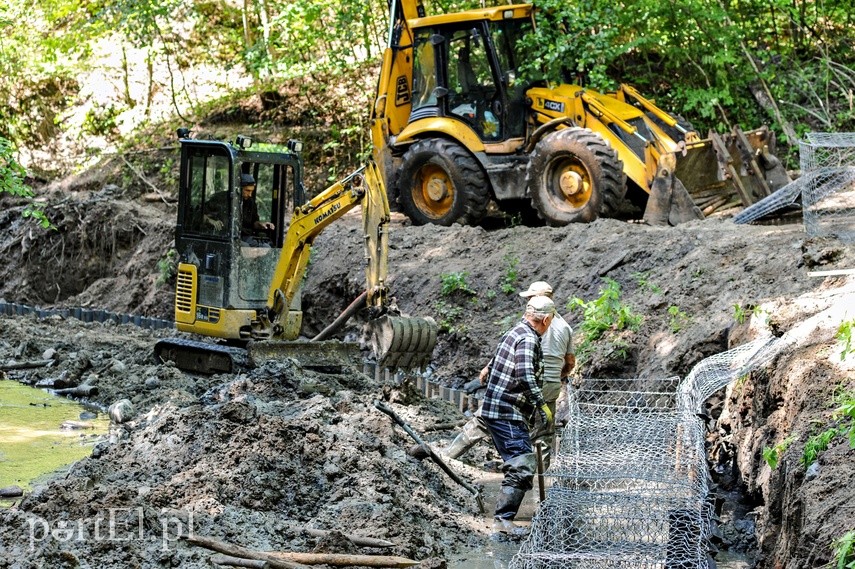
434,191
571,186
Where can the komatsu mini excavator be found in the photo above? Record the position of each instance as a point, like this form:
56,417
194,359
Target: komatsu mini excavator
241,284
455,125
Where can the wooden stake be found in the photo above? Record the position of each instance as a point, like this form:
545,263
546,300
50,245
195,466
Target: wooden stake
240,552
343,559
355,539
220,559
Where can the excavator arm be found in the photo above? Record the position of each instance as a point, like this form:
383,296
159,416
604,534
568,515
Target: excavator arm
397,340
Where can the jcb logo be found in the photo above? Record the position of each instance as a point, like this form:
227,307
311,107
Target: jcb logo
402,91
553,106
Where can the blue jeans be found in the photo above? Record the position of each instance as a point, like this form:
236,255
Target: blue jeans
514,445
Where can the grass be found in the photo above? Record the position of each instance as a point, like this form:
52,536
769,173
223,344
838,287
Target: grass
643,281
843,550
677,319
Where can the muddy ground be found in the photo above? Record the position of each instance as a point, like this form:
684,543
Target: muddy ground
259,455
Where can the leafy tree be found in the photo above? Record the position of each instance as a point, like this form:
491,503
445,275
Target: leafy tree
12,182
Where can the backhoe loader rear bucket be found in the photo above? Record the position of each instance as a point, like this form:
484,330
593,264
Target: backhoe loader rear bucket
731,170
403,342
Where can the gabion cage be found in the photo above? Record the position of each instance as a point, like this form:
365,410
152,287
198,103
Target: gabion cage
630,482
828,199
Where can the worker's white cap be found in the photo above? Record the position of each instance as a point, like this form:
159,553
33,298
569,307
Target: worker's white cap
536,288
540,306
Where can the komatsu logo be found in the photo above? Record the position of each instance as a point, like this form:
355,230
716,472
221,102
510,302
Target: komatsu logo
328,213
553,106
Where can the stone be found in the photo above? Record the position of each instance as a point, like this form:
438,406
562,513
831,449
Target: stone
121,411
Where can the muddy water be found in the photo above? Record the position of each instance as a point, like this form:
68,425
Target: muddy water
40,433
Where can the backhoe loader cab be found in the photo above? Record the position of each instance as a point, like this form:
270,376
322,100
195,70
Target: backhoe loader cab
455,125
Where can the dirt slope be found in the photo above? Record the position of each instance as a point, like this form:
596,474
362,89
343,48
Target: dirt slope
281,448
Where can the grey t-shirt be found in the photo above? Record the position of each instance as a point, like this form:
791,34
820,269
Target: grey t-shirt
556,343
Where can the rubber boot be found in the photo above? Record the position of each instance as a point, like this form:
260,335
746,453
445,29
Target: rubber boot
473,432
508,503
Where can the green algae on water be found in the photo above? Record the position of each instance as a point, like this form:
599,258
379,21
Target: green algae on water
32,443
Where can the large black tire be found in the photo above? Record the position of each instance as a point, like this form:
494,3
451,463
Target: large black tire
440,182
574,176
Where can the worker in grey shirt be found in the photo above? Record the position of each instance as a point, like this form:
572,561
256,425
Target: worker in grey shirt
558,363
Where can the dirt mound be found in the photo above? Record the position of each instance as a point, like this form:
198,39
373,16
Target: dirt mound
252,458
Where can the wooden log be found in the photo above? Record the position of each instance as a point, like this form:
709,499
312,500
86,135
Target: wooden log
25,365
343,559
240,552
355,539
220,559
79,391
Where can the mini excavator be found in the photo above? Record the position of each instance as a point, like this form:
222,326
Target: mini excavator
242,285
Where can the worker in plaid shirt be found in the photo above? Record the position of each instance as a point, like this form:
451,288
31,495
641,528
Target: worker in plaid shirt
512,397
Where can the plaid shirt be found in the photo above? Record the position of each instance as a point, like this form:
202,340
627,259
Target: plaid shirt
513,384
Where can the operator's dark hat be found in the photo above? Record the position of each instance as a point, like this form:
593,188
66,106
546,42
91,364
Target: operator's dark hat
247,180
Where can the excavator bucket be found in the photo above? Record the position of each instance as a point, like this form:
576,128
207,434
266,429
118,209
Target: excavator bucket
403,342
732,170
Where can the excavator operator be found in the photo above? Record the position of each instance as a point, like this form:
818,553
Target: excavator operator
250,221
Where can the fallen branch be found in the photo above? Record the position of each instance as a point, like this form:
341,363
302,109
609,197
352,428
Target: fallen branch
433,456
343,559
220,559
240,552
25,365
355,539
144,179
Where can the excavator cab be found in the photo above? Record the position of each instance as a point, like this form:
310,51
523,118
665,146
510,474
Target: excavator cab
225,261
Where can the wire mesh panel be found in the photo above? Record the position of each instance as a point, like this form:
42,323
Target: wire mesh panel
829,197
630,479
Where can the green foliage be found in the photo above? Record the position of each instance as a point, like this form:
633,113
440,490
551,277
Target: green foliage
844,336
509,279
448,317
678,318
772,455
643,281
454,282
843,550
604,314
12,182
167,268
816,444
845,413
740,313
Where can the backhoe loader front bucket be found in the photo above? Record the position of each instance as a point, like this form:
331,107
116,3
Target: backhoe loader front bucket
733,170
403,342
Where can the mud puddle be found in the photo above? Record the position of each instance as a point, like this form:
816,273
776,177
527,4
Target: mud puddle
40,433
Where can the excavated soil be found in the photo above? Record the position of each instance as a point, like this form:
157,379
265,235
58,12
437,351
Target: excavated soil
257,456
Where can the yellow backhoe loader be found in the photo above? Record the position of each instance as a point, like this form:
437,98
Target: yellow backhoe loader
239,280
454,125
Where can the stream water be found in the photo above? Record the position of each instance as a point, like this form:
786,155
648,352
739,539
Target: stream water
41,432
